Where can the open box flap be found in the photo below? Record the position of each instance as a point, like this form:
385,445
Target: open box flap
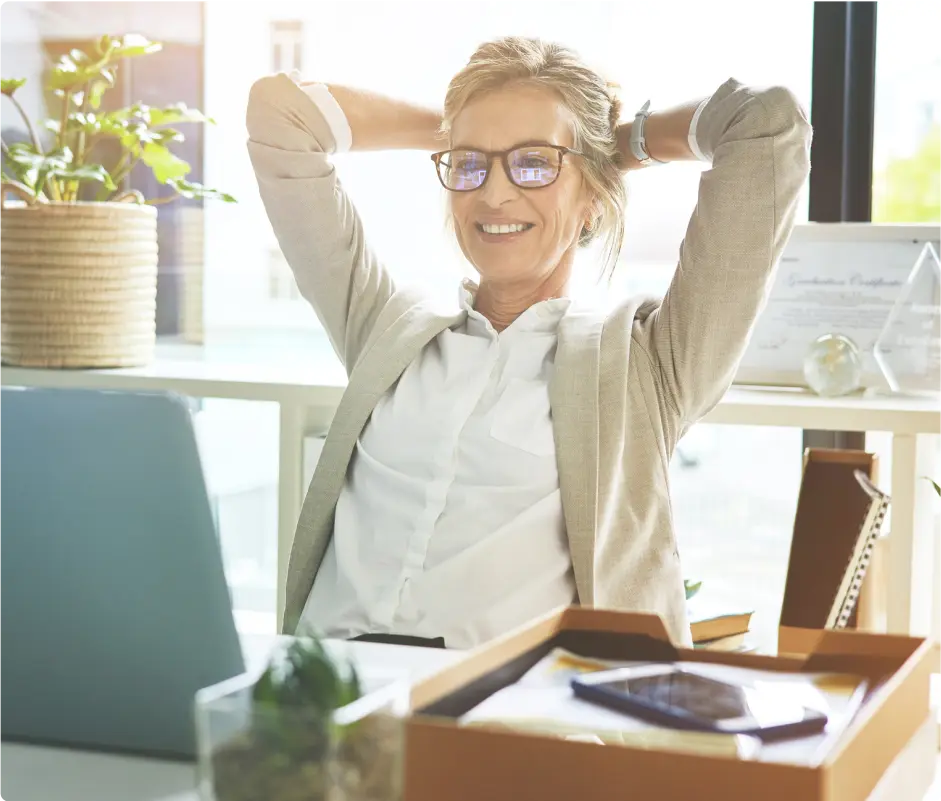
603,634
799,641
609,620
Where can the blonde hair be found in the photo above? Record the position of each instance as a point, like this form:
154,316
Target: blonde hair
587,96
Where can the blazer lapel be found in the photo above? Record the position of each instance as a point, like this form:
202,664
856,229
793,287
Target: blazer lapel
573,397
377,369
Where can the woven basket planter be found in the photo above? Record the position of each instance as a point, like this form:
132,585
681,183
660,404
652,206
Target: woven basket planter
78,284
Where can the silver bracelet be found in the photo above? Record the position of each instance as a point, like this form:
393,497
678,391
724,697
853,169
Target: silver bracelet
638,141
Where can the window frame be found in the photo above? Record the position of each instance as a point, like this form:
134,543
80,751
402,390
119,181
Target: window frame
843,80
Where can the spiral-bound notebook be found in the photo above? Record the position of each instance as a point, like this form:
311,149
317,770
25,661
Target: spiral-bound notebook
848,594
839,518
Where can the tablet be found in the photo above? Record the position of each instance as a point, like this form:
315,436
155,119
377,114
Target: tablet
671,696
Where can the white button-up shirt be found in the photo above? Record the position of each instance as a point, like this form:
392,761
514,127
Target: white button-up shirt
450,521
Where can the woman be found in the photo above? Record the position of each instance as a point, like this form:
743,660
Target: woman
488,465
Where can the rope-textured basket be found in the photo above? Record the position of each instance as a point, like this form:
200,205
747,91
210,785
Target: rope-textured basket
78,284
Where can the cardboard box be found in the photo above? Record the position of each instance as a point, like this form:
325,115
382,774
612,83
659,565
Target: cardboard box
447,761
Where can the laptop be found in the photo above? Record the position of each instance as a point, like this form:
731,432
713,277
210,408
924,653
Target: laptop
115,608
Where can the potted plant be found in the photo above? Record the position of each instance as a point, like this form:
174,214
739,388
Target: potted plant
79,276
301,731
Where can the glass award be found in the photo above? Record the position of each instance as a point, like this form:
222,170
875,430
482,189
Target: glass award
908,349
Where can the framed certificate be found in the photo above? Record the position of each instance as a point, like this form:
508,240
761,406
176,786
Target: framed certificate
833,278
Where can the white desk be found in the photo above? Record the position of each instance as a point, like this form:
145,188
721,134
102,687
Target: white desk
308,397
36,773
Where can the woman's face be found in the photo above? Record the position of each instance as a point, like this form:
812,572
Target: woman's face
553,215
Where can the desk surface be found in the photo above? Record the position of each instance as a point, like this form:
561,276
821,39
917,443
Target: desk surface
322,383
36,773
205,379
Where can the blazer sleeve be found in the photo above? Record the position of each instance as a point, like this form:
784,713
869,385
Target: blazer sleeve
316,225
758,141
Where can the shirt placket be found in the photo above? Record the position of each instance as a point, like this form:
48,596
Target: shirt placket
445,459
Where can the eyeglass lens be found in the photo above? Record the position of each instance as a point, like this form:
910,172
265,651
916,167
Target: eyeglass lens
530,167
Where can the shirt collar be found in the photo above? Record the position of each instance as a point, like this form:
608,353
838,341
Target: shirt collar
541,317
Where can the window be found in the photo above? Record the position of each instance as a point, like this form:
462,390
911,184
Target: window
906,186
907,132
287,46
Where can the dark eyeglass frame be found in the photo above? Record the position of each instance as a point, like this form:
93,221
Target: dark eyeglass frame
502,156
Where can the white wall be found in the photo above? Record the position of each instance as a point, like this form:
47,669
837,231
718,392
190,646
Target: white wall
21,57
239,238
174,21
237,235
411,50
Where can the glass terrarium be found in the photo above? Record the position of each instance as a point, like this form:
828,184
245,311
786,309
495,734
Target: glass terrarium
833,365
249,750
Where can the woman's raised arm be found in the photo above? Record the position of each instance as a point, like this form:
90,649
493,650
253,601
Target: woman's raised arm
292,130
758,142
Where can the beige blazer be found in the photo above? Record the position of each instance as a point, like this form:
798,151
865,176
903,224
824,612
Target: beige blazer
628,382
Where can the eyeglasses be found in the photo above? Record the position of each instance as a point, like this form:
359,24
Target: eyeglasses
528,167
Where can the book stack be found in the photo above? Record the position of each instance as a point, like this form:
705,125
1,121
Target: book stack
719,628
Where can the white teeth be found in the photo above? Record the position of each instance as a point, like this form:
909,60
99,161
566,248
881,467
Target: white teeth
503,229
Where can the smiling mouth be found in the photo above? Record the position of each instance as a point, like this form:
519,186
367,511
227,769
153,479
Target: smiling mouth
497,230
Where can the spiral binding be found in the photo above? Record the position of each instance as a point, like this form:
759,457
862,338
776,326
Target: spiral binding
862,565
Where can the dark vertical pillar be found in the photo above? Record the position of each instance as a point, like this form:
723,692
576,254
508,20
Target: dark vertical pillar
842,112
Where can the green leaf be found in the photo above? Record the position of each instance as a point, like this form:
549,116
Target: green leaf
105,45
23,155
135,137
87,172
127,114
40,167
133,44
89,123
79,57
97,88
24,162
9,85
194,190
105,124
691,587
51,164
179,112
76,69
167,135
264,690
165,165
65,75
936,487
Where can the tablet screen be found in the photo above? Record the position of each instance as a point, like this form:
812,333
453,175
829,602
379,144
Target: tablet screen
702,697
